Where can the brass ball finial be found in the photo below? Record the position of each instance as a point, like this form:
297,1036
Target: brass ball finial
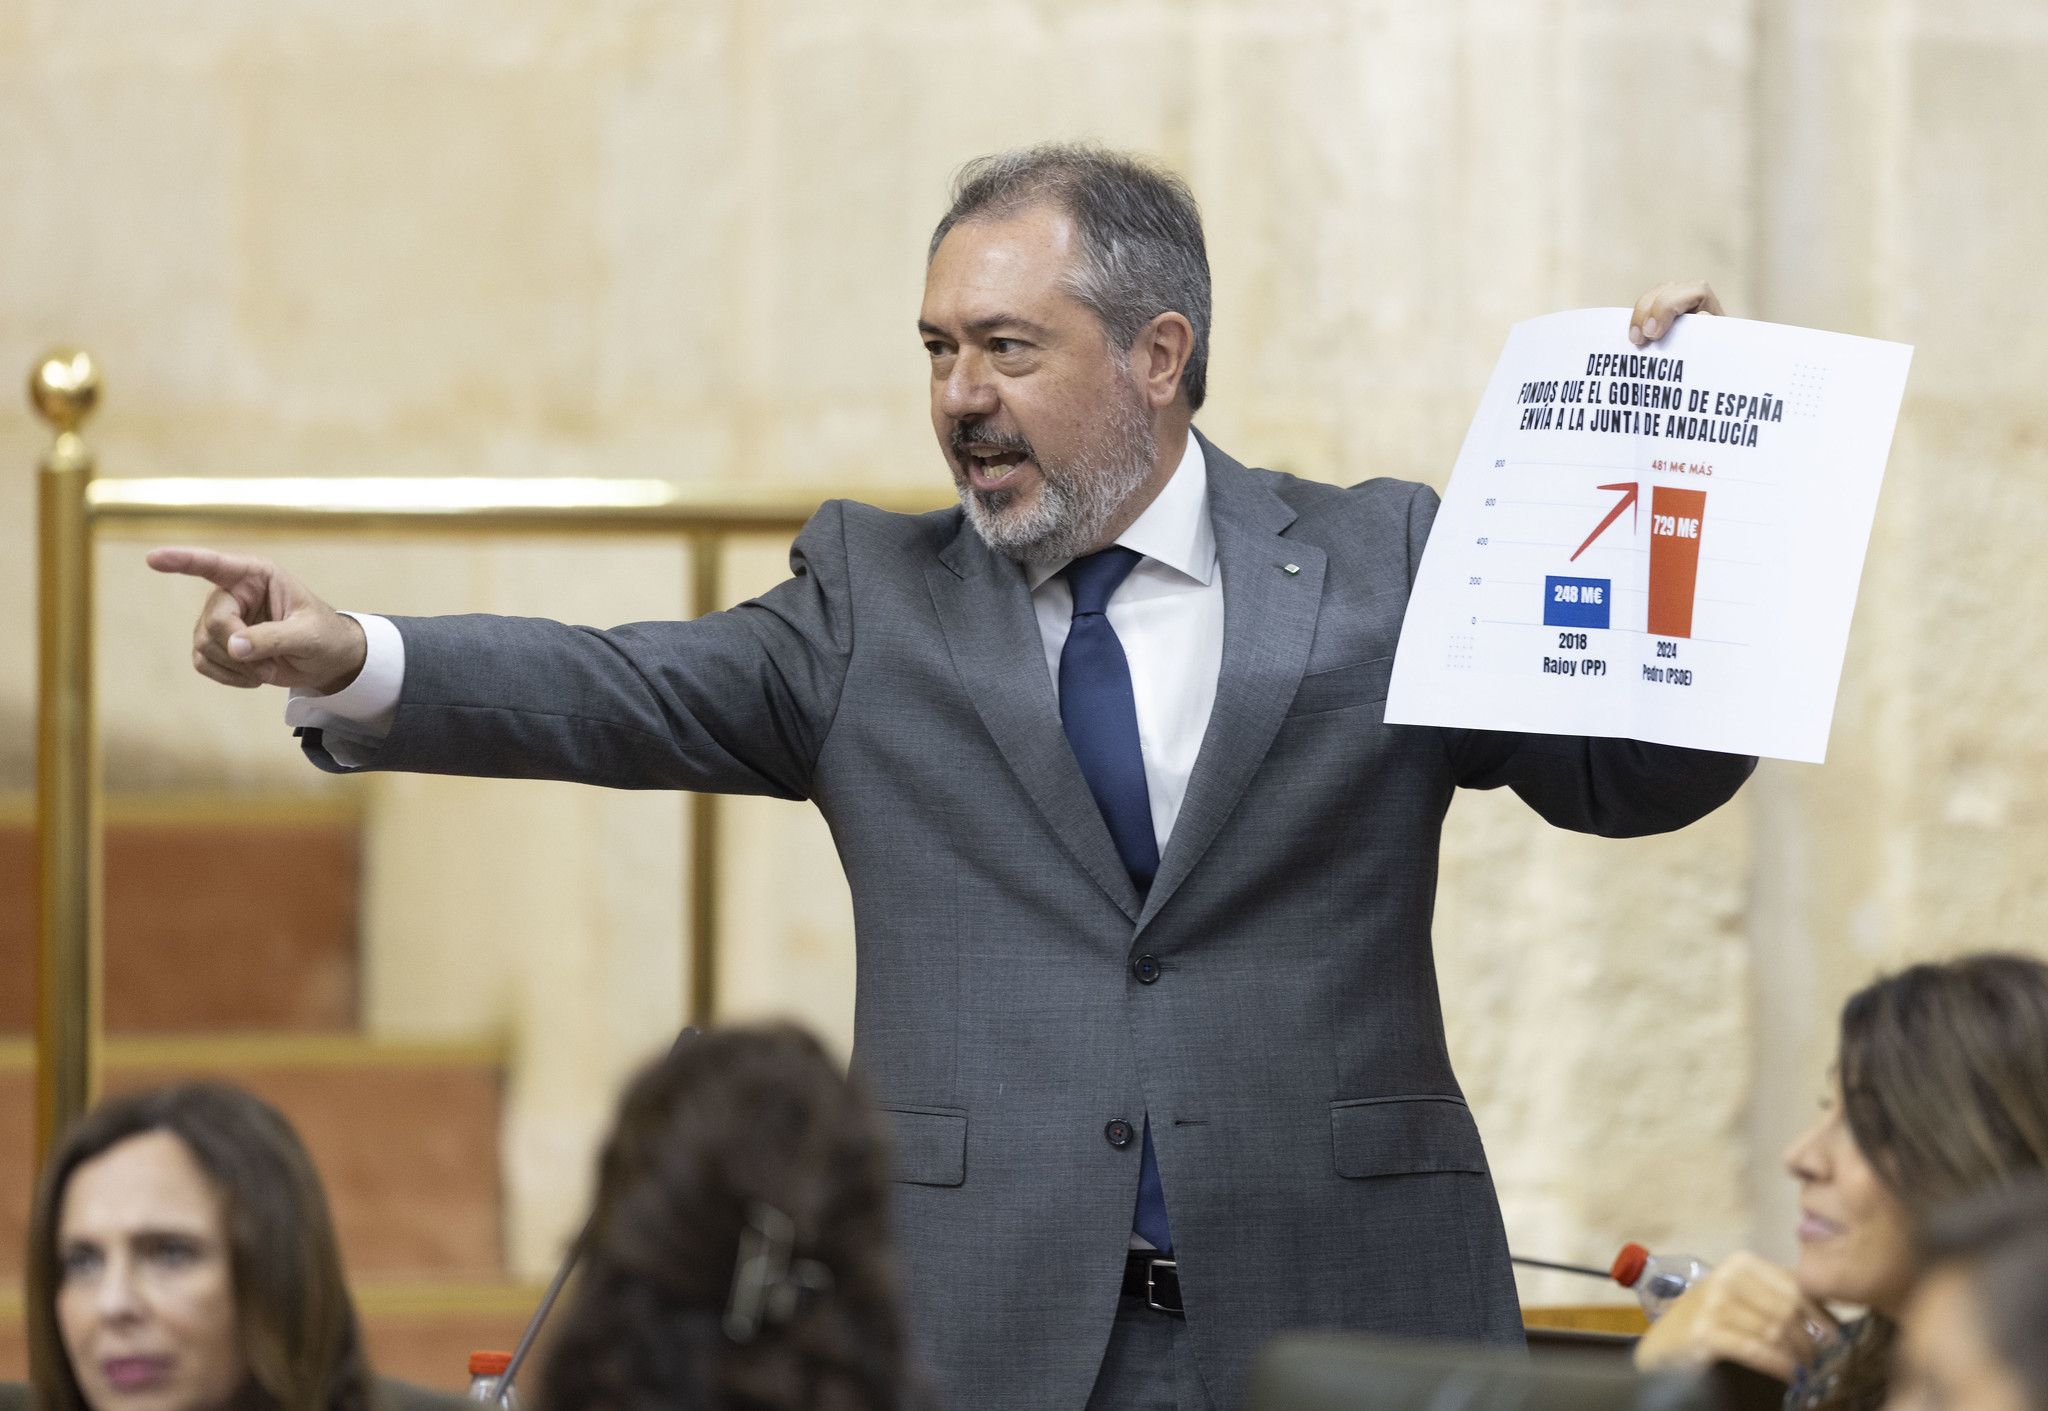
63,387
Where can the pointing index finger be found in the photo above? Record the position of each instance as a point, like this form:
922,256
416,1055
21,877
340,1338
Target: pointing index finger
222,570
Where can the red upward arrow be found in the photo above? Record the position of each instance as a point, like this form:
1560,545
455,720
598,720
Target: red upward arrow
1626,500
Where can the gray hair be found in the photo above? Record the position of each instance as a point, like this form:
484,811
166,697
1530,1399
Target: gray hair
1141,236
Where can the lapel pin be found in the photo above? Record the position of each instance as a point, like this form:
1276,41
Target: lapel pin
1290,568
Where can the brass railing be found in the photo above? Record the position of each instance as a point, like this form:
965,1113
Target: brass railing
74,506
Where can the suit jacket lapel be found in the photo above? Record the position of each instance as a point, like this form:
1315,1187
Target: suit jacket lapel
984,607
1272,593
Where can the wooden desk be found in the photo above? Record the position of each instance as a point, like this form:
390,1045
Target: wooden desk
1625,1318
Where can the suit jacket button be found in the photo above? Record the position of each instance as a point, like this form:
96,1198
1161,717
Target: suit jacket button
1119,1133
1146,969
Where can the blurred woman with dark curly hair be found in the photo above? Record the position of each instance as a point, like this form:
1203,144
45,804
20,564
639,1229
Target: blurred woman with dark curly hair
738,1256
1941,1094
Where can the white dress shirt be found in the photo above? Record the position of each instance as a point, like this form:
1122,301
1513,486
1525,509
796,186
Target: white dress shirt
361,711
1169,617
1168,614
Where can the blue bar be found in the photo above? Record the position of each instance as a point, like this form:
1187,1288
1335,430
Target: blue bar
1576,602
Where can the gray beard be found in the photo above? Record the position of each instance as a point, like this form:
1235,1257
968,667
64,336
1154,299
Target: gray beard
1077,498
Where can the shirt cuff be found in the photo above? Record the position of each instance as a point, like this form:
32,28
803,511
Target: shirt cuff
363,709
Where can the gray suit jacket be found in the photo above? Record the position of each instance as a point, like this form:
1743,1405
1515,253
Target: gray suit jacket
1320,1166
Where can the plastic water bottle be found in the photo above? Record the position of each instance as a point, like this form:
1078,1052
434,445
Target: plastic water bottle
485,1368
1658,1279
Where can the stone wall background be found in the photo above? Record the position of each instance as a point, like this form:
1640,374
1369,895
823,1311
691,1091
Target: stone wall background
643,237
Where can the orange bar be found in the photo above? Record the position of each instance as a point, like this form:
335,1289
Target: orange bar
1676,518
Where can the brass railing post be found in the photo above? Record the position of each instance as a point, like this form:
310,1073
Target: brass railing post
702,877
76,510
63,388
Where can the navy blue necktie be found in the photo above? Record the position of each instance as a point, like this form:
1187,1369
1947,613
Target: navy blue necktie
1101,719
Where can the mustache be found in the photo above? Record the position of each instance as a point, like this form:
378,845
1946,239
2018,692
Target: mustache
970,433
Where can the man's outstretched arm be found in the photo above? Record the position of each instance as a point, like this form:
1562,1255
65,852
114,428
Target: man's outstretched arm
736,702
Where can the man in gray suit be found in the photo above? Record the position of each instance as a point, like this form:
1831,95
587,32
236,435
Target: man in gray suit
1141,879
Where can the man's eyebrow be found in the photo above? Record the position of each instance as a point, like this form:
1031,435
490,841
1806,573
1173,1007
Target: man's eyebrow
988,323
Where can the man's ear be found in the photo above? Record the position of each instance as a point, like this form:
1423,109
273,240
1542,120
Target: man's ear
1160,356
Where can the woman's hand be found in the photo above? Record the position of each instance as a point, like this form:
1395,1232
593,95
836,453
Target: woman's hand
1748,1311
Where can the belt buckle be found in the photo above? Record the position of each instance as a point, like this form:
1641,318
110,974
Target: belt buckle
1152,1268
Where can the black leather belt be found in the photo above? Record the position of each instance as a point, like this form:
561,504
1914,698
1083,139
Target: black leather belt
1154,1281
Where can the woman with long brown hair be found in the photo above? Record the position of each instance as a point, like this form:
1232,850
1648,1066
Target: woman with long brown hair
181,1258
1940,1094
738,1256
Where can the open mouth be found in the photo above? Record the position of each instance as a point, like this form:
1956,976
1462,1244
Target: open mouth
989,468
989,460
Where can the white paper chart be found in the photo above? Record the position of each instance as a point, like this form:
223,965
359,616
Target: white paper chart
1659,543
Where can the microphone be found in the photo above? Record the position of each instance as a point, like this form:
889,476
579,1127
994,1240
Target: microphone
555,1285
1585,1269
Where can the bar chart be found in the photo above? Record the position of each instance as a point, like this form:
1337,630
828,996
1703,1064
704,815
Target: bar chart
1659,546
1676,519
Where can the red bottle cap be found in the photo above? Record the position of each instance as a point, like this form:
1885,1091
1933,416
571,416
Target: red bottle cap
489,1364
1628,1265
